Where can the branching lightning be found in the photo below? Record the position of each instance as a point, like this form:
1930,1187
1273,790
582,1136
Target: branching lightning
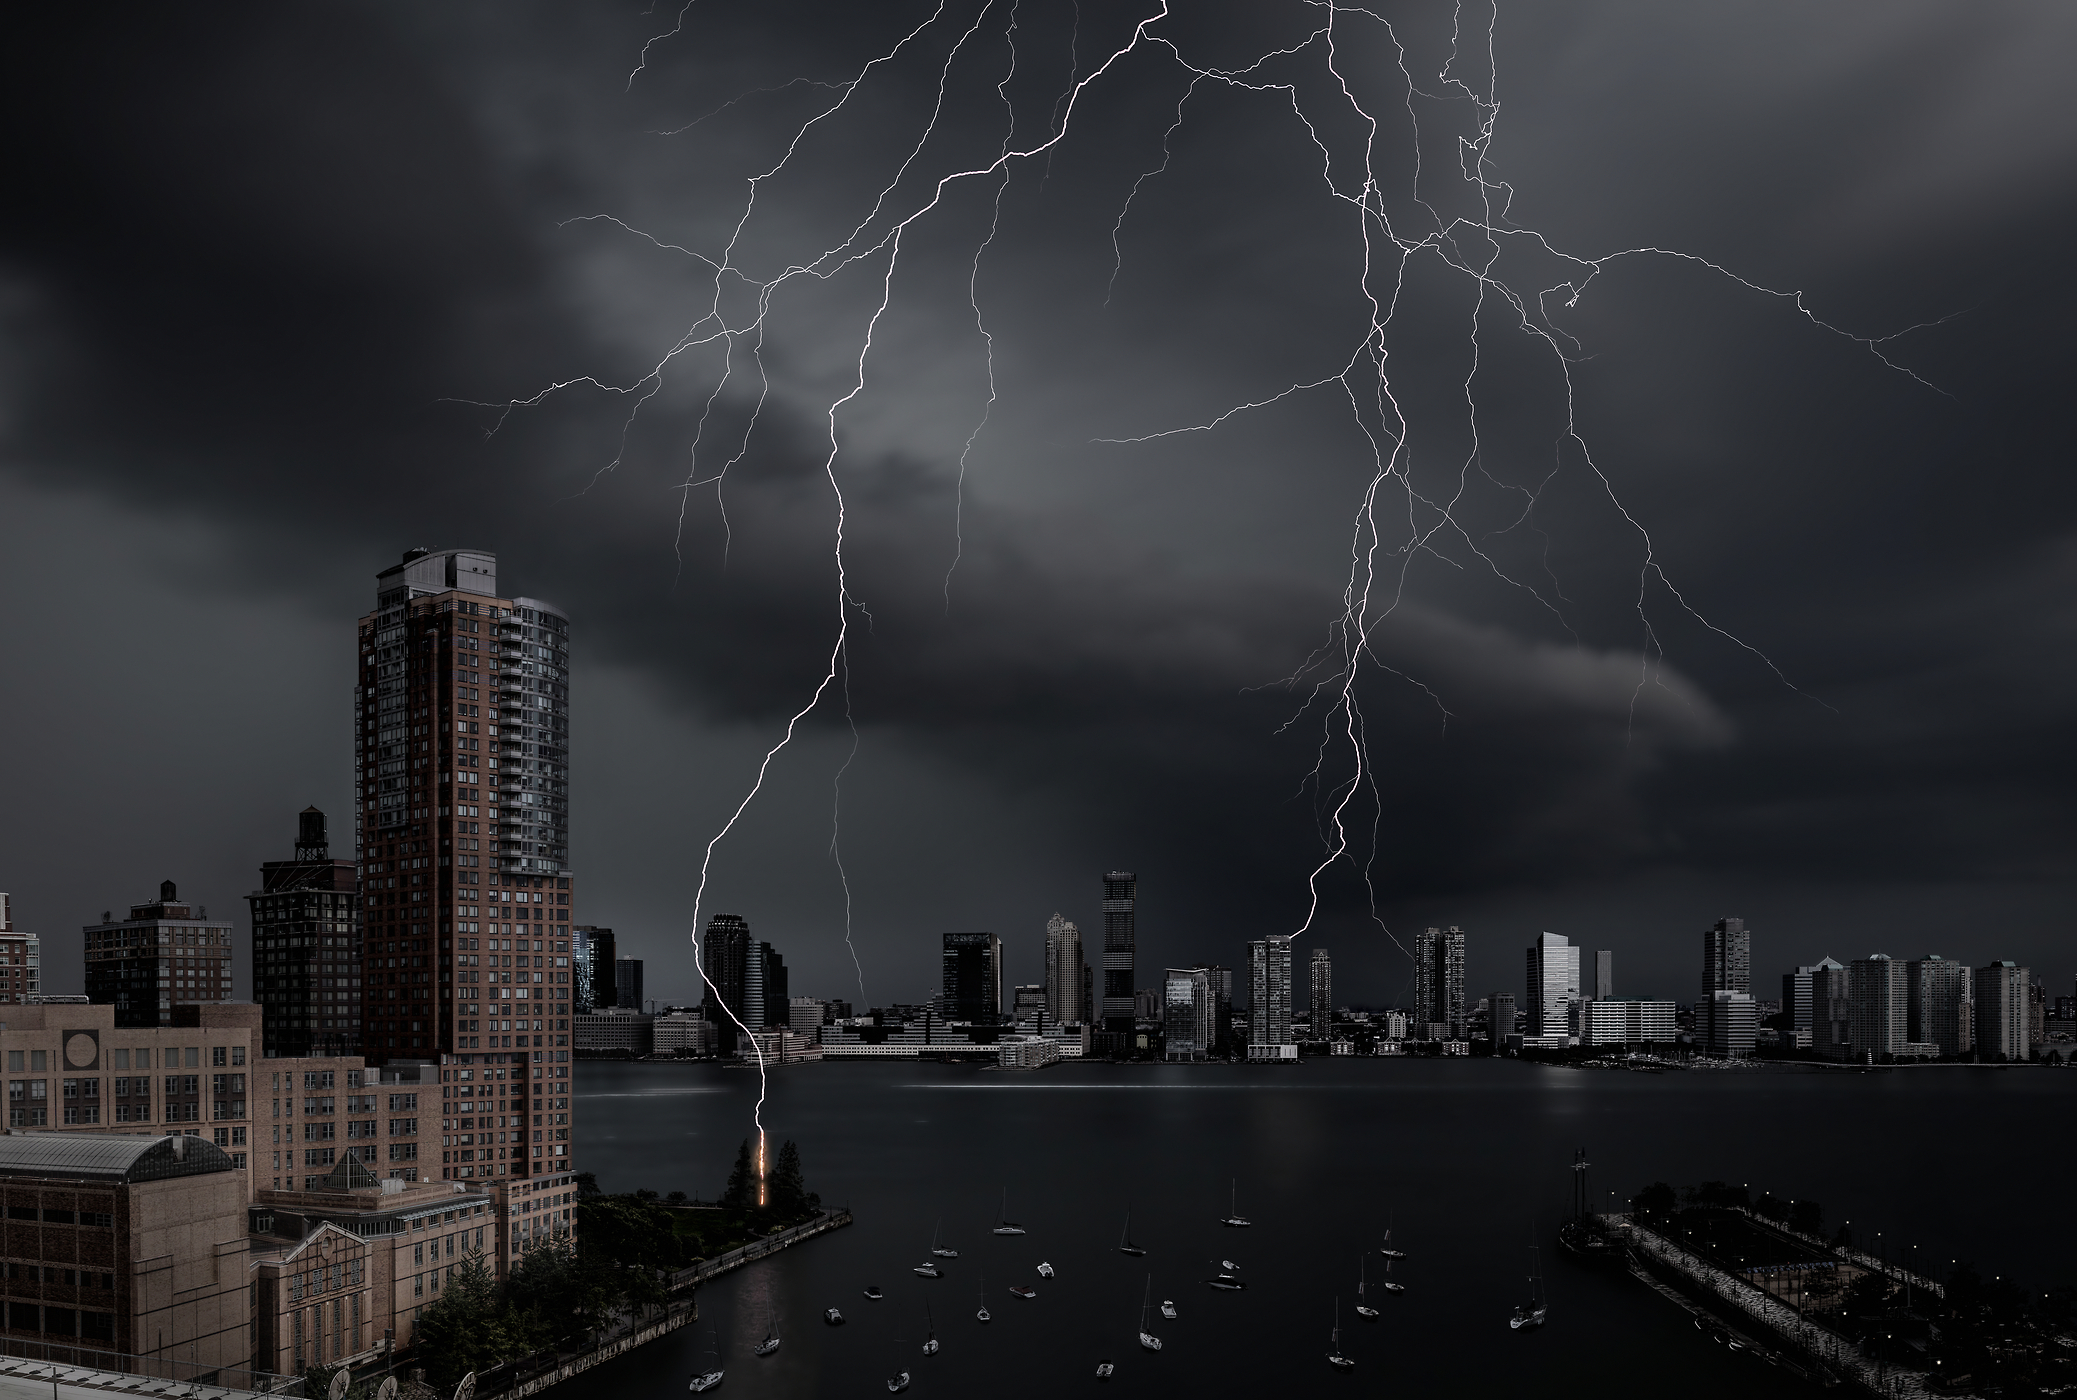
1394,522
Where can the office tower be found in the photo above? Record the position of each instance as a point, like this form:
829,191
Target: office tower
1726,959
21,959
1088,995
1797,1008
580,969
766,1003
166,955
306,950
595,971
973,978
2000,1022
1064,972
725,964
1269,994
1500,1019
2037,1016
1604,974
1220,981
1120,900
1936,998
1831,1009
462,731
1439,984
1552,985
1877,1007
627,982
1323,995
1727,1024
1186,1014
806,1014
1029,1002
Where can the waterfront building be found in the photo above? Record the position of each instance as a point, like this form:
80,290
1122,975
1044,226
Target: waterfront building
972,985
591,961
1499,1019
724,954
1800,1003
1938,1003
627,982
615,1031
306,949
685,1033
2000,1020
140,1250
166,958
1831,1009
779,1046
1611,1022
918,1032
1727,1025
1396,1024
1877,1008
1120,944
804,1014
1027,1052
1322,1019
1027,1000
1438,1012
1066,982
1726,959
2037,1015
1552,986
766,1000
1269,999
1187,1012
1604,974
1220,981
21,958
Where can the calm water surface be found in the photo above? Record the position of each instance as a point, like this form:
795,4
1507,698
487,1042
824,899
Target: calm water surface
1466,1160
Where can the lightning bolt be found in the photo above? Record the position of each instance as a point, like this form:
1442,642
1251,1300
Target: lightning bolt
1395,521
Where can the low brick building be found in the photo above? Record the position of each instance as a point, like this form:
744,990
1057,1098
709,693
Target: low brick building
134,1245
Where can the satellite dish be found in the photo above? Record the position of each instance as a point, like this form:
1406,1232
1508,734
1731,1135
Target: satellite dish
467,1389
387,1390
342,1381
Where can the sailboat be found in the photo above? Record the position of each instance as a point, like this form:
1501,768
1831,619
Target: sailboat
1147,1339
1363,1308
1233,1215
1388,1251
1125,1244
1386,1282
930,1333
770,1343
982,1314
937,1249
1003,1226
708,1380
1334,1356
1531,1314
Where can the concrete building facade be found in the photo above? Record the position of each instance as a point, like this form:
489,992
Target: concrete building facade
2002,992
1939,1003
1269,999
1439,1008
1064,971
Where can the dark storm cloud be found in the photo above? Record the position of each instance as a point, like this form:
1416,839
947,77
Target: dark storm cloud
257,260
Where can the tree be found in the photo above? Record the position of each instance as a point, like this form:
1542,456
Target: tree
789,1191
587,1185
742,1182
676,1198
468,1327
1656,1199
1807,1216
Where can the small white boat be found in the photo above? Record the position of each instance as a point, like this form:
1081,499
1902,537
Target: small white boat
1045,1270
1531,1314
1233,1216
1104,1369
981,1315
1388,1251
770,1343
708,1380
1005,1226
1168,1309
1147,1339
829,1315
1363,1308
1228,1282
939,1250
1229,1266
928,1271
872,1291
897,1383
1023,1290
1334,1356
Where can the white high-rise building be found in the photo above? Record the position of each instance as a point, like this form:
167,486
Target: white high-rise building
1552,986
1186,1013
2002,1021
1064,980
1269,999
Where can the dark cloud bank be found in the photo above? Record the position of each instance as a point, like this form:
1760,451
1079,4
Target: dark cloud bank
259,261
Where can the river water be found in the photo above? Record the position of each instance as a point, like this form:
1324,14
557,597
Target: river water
1465,1161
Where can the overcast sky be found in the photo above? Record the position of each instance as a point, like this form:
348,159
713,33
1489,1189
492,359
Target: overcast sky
1684,598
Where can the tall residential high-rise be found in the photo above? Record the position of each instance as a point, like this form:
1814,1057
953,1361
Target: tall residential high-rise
725,964
2002,994
461,745
627,982
1877,1007
1726,959
1063,971
1500,1019
21,958
1323,995
1186,1014
1120,940
767,1003
1796,1006
168,954
972,983
1938,1001
1439,984
1269,999
1552,985
1831,1009
1088,995
306,950
1604,975
581,992
1220,981
596,947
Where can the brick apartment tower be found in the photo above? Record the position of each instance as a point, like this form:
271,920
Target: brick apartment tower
306,948
462,725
